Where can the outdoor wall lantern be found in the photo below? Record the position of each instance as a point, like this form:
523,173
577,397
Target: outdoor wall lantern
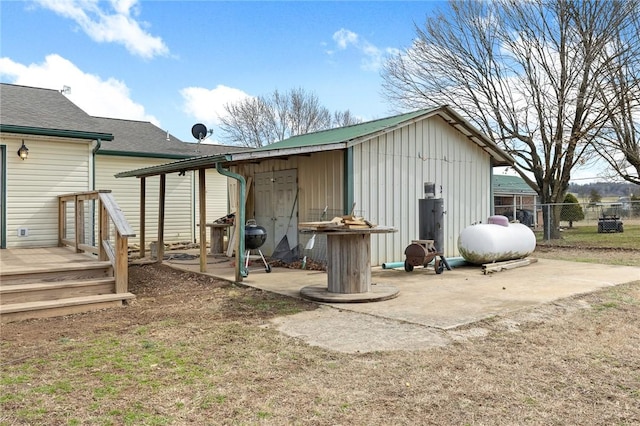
23,152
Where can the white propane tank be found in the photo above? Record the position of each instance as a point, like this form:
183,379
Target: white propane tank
496,241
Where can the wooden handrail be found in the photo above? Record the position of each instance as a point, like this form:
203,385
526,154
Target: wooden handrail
116,215
108,212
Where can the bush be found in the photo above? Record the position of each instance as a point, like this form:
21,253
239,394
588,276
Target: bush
571,210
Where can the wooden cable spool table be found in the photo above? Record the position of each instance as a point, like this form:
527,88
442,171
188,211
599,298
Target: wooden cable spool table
349,267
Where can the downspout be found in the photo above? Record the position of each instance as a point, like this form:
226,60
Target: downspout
93,154
348,184
93,184
241,271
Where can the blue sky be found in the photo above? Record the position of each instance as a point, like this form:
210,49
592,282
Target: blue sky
176,63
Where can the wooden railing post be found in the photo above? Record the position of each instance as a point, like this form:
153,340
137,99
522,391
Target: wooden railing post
62,221
121,267
79,215
103,230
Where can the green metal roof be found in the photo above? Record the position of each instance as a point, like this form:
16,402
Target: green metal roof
333,139
503,184
343,134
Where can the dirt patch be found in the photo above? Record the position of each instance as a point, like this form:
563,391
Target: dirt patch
191,349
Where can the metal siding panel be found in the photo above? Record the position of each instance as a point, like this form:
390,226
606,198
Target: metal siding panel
427,151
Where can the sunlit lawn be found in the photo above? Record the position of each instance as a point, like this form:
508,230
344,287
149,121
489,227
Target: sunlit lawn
588,236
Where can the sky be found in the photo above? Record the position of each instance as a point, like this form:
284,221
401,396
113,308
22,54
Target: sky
177,63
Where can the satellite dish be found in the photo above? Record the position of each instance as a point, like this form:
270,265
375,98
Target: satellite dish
199,131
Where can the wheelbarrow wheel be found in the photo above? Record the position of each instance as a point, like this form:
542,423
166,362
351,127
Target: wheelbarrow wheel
438,266
407,266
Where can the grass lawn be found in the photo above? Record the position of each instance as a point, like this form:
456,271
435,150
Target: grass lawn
588,236
193,350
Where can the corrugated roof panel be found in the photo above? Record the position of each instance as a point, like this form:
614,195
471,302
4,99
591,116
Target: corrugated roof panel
511,185
343,134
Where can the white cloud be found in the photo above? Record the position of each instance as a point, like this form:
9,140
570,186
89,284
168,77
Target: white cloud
116,26
97,97
373,56
344,38
207,105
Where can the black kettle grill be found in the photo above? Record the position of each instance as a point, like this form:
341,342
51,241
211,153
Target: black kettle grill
254,238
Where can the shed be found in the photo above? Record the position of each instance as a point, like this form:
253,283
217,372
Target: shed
380,165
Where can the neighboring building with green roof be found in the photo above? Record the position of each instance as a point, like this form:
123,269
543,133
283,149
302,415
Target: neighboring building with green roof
514,198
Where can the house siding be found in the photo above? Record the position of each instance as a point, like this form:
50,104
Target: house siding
389,176
181,204
54,167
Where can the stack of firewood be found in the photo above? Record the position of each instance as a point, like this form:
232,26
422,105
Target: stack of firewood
339,222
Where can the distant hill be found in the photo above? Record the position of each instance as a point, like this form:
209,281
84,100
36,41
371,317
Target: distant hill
605,189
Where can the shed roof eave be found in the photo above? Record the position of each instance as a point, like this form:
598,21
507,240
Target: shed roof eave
285,152
39,131
205,162
233,158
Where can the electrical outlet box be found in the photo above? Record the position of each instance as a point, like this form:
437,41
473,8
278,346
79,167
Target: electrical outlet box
23,232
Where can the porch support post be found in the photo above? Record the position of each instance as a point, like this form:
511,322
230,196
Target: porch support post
241,271
161,200
143,198
202,199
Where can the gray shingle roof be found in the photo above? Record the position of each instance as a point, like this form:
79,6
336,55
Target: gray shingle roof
42,109
47,109
146,139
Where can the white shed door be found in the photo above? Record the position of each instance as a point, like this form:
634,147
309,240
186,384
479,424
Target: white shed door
276,207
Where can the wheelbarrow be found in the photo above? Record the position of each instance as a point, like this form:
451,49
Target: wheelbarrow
421,253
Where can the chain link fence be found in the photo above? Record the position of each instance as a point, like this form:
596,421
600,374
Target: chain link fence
603,216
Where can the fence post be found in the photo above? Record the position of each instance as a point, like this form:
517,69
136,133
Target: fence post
547,227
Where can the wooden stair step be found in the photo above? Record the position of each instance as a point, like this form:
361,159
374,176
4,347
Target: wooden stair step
72,305
48,273
40,291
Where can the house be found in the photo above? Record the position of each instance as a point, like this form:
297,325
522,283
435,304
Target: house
70,151
380,167
514,198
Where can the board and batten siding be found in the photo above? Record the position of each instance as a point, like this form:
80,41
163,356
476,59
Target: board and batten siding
320,180
54,167
181,203
389,176
320,184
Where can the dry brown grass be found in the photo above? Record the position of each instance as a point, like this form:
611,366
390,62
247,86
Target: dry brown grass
194,351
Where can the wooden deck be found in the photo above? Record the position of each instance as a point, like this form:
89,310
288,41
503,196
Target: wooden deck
54,281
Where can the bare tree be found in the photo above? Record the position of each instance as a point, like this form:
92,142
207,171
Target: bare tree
255,122
524,72
619,144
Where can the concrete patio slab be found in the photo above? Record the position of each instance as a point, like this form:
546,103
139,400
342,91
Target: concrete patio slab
449,300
